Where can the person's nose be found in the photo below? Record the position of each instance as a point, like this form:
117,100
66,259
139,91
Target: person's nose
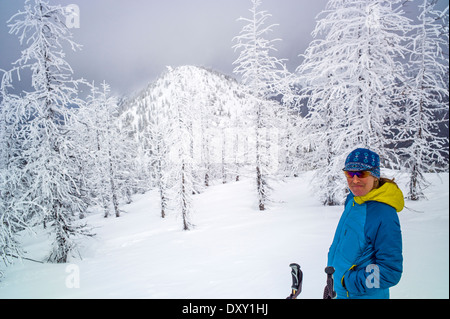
355,179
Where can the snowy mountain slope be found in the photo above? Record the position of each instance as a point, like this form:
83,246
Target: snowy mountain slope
234,251
190,115
200,88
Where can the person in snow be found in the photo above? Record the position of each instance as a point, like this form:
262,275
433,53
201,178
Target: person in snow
366,252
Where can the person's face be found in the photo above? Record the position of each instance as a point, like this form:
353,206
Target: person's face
362,185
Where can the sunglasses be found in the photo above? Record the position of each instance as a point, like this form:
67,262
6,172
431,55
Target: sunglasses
359,174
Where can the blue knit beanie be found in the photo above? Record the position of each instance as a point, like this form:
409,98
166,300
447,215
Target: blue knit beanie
363,159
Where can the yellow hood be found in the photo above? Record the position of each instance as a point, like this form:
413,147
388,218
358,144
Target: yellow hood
389,194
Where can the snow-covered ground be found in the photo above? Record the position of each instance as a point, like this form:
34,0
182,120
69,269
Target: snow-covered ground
234,251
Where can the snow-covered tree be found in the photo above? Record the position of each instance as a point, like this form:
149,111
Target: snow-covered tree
427,104
263,75
154,143
166,115
50,169
158,153
353,76
11,218
182,159
100,138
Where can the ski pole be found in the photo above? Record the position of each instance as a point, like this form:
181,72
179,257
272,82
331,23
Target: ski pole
297,278
329,292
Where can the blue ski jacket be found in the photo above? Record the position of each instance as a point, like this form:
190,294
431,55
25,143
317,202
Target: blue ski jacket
367,247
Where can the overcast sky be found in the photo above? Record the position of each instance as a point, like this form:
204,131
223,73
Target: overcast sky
129,43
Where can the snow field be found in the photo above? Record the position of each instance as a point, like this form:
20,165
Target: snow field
234,251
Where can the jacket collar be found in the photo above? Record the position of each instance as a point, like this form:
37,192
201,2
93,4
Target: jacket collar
389,194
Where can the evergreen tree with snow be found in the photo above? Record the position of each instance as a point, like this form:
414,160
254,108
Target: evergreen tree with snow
427,104
353,77
158,154
181,160
50,169
11,218
153,140
101,139
263,76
